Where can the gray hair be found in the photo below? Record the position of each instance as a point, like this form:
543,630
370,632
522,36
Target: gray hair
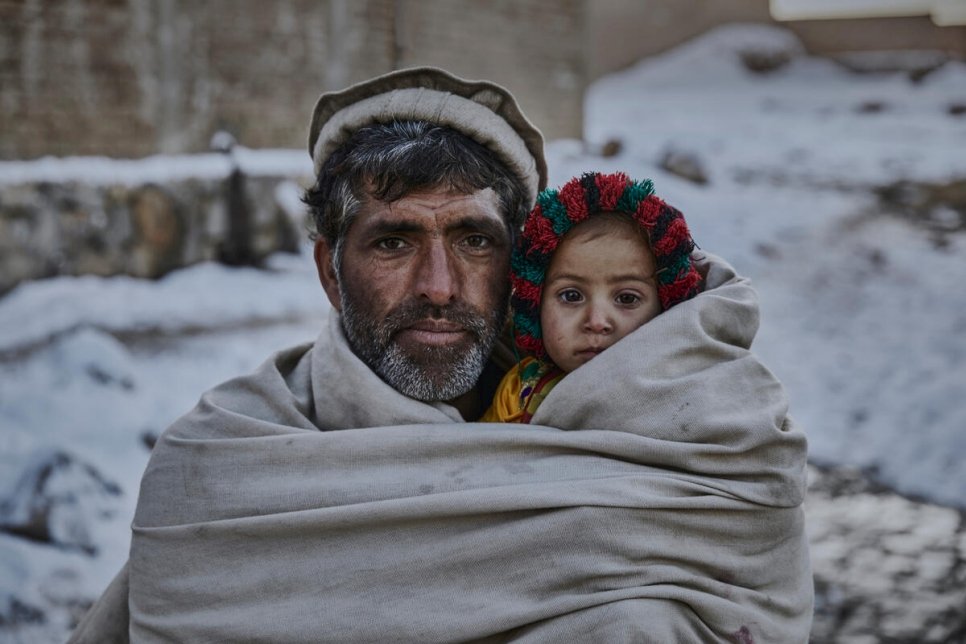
389,161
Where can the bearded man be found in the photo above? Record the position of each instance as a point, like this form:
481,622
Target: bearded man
342,493
415,223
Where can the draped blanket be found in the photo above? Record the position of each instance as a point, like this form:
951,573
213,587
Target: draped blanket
656,498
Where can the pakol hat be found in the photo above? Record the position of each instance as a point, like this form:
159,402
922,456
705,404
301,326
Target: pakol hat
558,211
481,110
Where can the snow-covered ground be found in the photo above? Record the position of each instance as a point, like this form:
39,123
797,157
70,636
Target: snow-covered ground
864,315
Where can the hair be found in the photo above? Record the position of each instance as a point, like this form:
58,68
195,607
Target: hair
389,161
594,195
610,222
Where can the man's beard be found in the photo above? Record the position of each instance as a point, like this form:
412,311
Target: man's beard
436,373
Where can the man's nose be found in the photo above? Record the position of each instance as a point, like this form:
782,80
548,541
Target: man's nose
436,278
598,319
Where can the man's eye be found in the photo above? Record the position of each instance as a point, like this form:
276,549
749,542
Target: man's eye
390,243
477,242
628,299
570,295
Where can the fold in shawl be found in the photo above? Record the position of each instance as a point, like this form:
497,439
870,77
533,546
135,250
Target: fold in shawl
310,501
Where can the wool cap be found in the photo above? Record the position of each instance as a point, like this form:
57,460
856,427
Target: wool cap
481,110
558,211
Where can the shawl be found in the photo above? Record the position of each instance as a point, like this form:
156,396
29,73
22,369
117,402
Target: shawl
656,497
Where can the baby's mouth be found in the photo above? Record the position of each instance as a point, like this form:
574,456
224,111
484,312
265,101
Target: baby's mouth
589,352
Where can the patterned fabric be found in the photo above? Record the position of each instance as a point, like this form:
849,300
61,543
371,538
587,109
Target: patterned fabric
558,211
521,391
537,379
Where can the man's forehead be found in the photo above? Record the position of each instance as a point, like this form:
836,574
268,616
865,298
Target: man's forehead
437,202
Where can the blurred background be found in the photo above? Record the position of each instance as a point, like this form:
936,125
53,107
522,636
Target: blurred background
152,241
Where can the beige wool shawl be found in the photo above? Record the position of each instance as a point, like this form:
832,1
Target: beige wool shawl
656,498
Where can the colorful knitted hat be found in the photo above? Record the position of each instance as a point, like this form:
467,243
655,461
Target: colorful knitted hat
558,211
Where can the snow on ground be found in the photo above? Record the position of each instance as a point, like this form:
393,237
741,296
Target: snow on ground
864,317
204,296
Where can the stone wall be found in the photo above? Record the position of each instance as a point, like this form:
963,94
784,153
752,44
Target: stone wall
146,228
128,78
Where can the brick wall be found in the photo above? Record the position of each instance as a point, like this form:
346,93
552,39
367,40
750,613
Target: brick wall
129,78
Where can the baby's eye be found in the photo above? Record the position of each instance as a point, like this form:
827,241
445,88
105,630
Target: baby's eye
627,299
570,295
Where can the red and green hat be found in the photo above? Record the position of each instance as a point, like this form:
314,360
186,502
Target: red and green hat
558,211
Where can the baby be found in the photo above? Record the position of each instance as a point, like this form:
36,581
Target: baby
596,260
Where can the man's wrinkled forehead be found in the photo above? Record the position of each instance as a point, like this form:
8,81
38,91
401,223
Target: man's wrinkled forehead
435,210
438,201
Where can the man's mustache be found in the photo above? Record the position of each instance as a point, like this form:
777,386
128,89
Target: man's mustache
410,312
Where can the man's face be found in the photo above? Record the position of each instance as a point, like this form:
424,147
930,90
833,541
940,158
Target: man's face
423,289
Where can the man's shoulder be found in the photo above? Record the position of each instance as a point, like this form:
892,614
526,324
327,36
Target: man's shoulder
278,391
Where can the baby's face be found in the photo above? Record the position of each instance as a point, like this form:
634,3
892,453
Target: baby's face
600,286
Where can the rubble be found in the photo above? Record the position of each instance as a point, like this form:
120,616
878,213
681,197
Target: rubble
887,568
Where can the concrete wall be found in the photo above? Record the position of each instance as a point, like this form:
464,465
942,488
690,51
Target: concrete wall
129,78
135,77
536,48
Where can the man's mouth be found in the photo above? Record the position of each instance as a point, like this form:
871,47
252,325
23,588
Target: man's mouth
433,332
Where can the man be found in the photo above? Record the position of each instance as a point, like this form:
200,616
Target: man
339,493
413,251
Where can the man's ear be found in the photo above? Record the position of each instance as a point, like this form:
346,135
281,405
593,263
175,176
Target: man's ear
327,274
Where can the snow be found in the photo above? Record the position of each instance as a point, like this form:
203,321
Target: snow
158,168
205,296
863,315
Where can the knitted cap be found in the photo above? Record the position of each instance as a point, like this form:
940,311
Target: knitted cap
558,211
481,110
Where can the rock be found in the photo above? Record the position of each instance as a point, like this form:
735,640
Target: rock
53,499
765,62
685,164
159,232
917,65
768,251
149,438
14,613
97,355
886,568
611,148
940,208
145,230
871,107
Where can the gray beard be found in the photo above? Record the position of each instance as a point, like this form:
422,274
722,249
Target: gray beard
437,373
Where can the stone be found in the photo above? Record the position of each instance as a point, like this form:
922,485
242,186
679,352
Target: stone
53,498
886,568
159,232
144,230
685,164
